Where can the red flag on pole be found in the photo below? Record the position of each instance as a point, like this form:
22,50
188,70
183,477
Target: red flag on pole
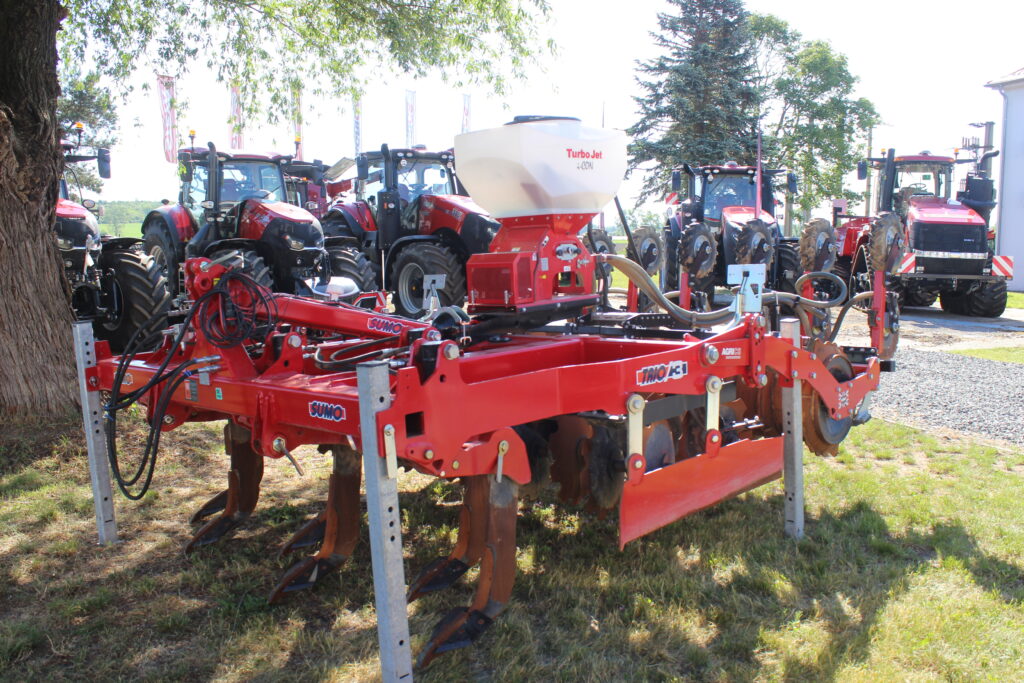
357,123
236,118
165,87
465,114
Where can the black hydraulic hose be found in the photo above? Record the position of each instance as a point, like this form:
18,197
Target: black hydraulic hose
846,309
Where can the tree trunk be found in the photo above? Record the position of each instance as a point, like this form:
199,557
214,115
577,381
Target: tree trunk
37,373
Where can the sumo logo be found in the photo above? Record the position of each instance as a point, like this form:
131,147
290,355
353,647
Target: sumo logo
327,411
385,325
653,374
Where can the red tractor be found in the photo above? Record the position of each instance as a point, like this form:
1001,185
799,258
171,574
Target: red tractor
943,242
727,216
411,218
113,282
237,204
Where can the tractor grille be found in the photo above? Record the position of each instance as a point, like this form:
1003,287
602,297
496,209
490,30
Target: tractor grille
951,266
957,238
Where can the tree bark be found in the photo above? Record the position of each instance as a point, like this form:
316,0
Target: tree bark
37,373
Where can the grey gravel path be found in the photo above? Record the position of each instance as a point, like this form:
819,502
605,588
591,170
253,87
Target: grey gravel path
933,388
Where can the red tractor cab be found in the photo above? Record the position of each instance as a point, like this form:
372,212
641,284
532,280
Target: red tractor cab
113,282
947,253
305,185
725,218
410,218
237,203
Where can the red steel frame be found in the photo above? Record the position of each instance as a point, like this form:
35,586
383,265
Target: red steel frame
449,423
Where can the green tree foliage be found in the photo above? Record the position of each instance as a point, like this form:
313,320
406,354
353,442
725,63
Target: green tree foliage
812,121
700,99
328,48
127,212
83,100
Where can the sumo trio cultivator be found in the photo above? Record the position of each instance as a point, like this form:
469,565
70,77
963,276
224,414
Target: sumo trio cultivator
656,415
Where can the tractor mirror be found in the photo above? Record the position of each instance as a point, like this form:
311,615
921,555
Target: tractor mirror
677,181
185,171
862,170
792,186
89,204
362,167
103,162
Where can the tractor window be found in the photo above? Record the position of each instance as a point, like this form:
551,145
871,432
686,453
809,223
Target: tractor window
64,189
727,190
244,179
423,177
923,180
196,190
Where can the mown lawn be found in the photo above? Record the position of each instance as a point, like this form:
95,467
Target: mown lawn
1015,300
121,229
1006,354
911,569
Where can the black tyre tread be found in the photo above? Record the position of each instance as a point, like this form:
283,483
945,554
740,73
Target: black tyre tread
879,254
155,235
145,297
652,237
352,263
953,303
433,258
789,267
745,242
808,242
601,236
987,301
701,278
914,296
250,263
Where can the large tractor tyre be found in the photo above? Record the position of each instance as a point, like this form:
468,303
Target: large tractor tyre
350,262
602,244
755,244
137,299
161,247
953,302
818,247
789,271
915,296
885,243
988,300
413,264
648,242
249,262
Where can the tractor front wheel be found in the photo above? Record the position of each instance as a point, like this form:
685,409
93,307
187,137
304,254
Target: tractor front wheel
413,264
135,298
159,245
988,300
250,263
352,263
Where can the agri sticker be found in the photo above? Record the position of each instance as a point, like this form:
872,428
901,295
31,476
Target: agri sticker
653,374
327,411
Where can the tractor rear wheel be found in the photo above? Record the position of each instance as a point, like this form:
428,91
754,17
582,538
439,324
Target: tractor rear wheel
352,263
136,298
250,263
159,245
789,268
413,264
953,302
988,300
915,296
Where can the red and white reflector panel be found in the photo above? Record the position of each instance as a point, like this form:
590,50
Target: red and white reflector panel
1002,266
908,264
672,198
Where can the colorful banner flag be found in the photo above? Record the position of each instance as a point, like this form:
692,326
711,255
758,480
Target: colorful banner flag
410,118
237,140
165,87
357,123
465,113
297,119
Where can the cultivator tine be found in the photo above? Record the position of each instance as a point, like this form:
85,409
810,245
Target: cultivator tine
211,507
336,529
243,489
461,626
469,546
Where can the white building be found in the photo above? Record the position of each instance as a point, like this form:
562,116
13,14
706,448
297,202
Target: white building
1010,238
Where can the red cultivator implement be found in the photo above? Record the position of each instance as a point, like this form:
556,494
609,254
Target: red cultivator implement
653,414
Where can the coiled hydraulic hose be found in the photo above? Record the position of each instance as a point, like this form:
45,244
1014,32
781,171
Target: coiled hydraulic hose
846,309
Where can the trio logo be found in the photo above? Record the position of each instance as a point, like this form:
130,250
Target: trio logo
326,411
385,325
653,374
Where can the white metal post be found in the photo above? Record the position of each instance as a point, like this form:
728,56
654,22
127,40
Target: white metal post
385,524
793,444
95,442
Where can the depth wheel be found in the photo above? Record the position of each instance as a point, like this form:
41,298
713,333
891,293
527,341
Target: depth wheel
413,264
822,432
818,246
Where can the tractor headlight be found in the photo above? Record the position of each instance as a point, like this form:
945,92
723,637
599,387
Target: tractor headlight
297,245
64,243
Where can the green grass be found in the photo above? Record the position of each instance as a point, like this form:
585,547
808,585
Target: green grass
1006,354
122,229
1015,300
911,569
